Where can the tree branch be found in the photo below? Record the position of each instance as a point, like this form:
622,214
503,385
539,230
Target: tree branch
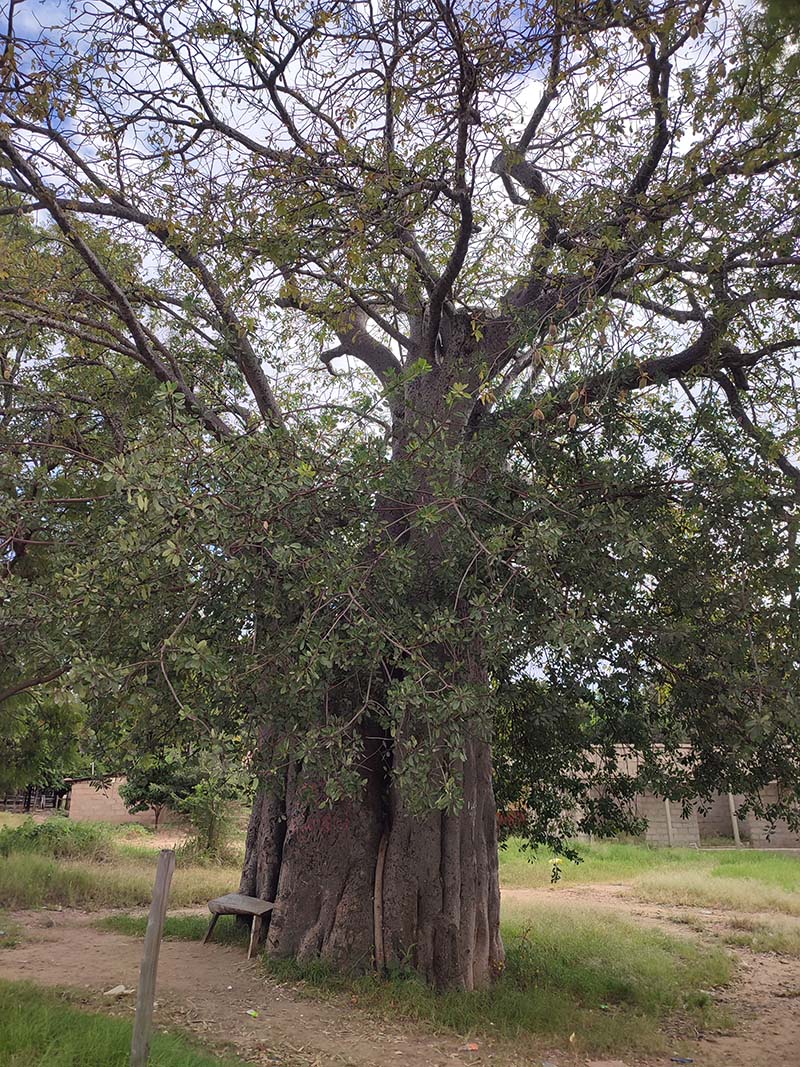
31,683
150,350
767,445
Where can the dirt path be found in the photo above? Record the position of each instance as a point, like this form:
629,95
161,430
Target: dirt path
208,989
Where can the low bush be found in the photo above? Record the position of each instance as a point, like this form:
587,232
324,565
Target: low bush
193,851
61,838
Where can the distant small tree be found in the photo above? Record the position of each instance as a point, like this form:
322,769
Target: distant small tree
199,783
159,784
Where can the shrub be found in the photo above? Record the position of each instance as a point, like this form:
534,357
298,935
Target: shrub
209,810
60,838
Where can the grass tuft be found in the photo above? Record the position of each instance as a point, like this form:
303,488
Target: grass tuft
697,889
179,928
41,1028
780,935
10,933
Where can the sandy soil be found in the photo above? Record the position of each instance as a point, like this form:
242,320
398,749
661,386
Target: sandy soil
209,989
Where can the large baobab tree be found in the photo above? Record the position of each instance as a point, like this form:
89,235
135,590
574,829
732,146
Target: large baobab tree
502,226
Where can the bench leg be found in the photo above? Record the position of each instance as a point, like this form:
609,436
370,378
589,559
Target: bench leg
255,931
211,926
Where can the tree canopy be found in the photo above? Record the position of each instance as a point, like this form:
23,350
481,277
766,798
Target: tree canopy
380,378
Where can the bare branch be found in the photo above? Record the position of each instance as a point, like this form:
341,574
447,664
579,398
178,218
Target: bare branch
767,445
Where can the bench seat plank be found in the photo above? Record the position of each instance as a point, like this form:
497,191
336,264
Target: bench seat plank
238,904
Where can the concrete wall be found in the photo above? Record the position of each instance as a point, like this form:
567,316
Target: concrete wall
685,832
716,820
87,804
757,829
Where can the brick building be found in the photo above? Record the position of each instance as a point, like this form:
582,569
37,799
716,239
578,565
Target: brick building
89,801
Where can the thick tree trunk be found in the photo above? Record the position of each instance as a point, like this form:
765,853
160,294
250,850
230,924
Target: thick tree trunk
437,906
438,909
441,894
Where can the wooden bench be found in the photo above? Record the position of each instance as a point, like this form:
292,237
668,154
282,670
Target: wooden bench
237,904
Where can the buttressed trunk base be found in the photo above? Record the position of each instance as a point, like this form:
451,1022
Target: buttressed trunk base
438,905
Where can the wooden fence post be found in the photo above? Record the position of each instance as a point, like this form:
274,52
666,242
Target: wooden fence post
143,1023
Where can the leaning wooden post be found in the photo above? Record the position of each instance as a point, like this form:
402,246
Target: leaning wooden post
143,1023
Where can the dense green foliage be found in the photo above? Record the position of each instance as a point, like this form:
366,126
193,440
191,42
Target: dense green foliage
162,784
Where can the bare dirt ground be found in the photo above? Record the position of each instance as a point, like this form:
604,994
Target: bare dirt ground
208,990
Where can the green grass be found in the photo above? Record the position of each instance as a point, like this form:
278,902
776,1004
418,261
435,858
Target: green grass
700,889
608,980
58,862
29,880
60,838
41,1028
779,870
607,862
669,875
179,928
